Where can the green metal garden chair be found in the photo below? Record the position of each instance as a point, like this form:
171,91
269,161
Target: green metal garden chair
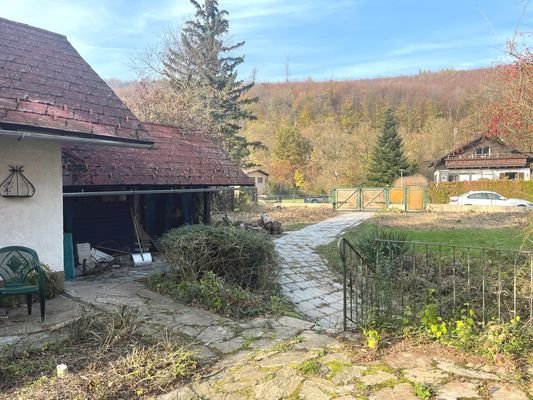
16,262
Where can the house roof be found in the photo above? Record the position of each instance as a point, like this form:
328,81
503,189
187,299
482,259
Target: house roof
46,86
177,159
250,170
473,143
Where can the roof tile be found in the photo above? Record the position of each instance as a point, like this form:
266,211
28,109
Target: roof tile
177,159
40,71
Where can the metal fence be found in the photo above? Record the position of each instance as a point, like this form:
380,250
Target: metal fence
408,198
495,283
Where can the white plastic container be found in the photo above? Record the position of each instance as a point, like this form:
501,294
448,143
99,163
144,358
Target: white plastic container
141,260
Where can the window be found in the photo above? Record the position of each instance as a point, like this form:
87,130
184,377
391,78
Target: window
259,180
483,152
478,196
453,178
512,176
494,196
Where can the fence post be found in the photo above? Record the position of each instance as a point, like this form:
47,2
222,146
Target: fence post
405,197
341,246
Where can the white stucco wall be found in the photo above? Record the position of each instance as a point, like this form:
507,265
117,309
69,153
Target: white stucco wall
261,186
35,222
477,174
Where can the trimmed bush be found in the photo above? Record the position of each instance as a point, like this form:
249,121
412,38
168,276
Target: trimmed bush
243,257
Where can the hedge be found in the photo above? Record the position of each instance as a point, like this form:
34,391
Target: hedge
440,192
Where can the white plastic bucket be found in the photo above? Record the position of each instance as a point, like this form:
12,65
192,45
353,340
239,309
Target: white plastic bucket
138,259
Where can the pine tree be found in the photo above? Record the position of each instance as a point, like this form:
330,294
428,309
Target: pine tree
387,157
202,61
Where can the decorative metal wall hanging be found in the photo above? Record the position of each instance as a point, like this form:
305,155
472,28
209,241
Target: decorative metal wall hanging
16,184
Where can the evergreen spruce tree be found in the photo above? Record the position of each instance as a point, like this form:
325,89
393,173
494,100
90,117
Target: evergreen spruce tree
202,63
387,156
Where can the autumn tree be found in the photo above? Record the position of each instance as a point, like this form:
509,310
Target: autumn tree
156,101
292,148
388,158
511,106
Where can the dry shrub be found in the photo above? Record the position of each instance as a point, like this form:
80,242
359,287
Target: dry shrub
243,257
109,357
106,329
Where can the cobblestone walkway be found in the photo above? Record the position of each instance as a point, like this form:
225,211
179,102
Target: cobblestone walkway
305,278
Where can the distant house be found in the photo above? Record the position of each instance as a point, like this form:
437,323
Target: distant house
260,177
485,157
49,96
165,187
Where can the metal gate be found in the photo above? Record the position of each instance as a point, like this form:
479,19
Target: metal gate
347,199
409,198
374,198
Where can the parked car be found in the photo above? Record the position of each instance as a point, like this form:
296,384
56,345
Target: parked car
316,199
481,198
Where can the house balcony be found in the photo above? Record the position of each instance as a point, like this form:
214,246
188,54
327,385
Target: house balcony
487,160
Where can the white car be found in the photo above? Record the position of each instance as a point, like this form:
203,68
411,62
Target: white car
480,198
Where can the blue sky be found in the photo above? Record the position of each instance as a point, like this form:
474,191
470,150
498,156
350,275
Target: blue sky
320,39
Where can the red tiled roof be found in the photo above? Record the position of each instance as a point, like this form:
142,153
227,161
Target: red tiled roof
176,159
45,83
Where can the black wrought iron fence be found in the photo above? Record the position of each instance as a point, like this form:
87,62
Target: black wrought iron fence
495,283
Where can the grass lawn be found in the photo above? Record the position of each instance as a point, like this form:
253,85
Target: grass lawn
503,238
506,238
296,200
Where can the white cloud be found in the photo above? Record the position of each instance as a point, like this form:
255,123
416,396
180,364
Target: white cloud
108,32
61,16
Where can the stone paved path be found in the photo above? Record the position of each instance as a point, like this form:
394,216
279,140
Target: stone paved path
214,336
314,366
305,278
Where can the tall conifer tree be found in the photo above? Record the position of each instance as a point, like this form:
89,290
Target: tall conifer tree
387,157
203,62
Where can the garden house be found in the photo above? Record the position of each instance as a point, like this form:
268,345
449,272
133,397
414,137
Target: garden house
260,178
163,188
49,96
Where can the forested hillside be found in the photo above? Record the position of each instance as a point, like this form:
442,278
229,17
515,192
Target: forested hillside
323,132
319,135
